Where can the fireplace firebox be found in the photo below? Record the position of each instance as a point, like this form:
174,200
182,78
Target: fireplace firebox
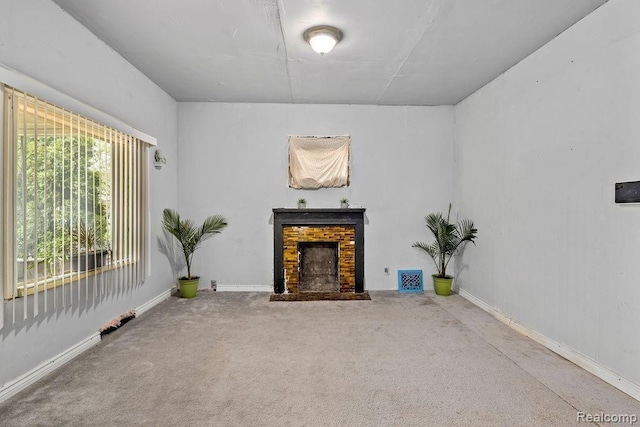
318,267
318,250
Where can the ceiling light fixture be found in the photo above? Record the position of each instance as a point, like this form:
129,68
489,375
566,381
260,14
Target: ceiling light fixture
322,38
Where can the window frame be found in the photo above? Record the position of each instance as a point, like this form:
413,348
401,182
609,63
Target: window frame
40,90
27,125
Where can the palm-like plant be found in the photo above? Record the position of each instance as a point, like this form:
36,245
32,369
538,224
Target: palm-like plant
448,236
87,237
189,235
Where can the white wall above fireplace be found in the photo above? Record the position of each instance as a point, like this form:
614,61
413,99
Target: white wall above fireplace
402,170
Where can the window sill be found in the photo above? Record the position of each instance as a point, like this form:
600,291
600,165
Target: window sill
61,280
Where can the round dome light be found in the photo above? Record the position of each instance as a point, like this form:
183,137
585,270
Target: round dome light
322,38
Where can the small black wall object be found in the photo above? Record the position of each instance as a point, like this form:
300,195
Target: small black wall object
628,192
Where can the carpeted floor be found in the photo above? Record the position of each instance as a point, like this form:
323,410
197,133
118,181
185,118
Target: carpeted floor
230,359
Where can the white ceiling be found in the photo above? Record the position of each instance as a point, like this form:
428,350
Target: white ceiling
402,52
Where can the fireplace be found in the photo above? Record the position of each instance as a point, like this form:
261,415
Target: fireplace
318,250
318,267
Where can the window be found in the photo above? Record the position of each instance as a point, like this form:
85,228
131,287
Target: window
75,199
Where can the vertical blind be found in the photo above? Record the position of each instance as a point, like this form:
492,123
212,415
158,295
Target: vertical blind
74,207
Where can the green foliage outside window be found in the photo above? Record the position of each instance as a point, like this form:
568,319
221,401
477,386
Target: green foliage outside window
63,199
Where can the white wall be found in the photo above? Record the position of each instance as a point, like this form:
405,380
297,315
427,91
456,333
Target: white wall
233,161
538,151
40,40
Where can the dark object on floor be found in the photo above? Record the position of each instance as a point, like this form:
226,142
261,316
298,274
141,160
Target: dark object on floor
628,192
117,322
322,296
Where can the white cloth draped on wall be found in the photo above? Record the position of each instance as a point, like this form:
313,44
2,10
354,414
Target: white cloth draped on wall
319,161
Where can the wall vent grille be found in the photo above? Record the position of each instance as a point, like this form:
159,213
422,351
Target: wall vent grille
410,280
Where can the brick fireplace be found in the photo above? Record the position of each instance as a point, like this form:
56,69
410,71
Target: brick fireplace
318,250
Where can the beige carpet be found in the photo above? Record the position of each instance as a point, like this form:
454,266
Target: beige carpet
229,359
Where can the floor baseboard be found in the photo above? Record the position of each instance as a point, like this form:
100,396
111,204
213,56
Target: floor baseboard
47,367
55,362
153,302
245,288
568,353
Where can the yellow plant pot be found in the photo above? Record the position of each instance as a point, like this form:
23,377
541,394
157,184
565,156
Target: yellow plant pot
442,285
188,287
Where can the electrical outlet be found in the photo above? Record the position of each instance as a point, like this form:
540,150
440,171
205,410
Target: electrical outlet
214,285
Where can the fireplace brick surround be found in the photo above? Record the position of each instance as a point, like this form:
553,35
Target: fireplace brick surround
342,226
345,237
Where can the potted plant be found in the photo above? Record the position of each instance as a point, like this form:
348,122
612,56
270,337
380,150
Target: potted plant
190,237
344,203
89,250
302,203
449,238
